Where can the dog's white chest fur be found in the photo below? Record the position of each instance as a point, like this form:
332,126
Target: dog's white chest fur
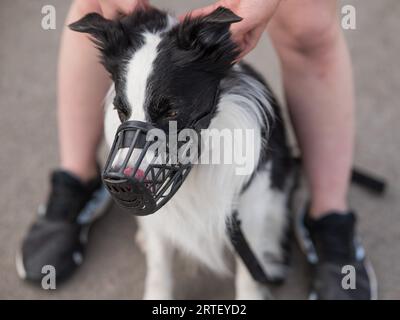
194,220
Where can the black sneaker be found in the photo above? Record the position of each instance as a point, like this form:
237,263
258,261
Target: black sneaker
335,254
59,234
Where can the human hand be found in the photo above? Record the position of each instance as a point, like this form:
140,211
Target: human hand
113,8
256,15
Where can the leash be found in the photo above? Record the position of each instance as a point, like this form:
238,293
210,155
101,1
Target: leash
240,244
246,254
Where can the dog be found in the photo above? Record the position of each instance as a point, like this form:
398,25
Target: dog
163,70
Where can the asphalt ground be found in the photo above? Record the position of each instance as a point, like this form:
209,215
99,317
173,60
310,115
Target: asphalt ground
114,267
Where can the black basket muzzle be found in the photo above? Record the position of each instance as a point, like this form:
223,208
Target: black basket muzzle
139,173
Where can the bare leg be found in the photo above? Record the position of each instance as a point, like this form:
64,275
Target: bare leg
318,83
82,85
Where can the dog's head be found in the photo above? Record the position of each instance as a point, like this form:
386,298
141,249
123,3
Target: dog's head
164,70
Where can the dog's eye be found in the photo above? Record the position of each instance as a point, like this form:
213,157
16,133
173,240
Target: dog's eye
172,113
162,106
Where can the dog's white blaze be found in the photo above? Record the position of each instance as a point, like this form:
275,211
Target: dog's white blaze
139,70
111,120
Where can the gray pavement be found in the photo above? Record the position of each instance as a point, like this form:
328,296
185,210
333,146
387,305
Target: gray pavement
114,267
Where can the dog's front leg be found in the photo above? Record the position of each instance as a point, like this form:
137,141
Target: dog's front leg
159,277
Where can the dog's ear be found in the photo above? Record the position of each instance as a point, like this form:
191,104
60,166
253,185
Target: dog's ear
108,36
222,16
207,31
103,31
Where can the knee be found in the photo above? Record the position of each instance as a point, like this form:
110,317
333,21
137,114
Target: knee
311,32
313,37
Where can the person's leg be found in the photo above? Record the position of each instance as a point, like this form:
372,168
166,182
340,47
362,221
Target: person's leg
77,197
318,83
319,89
82,85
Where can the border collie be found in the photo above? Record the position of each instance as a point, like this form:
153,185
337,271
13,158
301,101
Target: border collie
164,70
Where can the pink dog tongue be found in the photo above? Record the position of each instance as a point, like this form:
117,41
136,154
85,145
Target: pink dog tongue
129,171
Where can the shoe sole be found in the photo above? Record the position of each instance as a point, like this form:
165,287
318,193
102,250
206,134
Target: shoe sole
94,209
20,265
307,248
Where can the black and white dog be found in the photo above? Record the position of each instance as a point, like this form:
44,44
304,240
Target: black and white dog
166,70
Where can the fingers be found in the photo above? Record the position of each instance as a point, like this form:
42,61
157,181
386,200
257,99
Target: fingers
108,9
113,9
240,34
241,29
249,40
200,12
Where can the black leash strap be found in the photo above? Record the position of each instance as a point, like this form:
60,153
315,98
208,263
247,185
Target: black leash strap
244,251
368,181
